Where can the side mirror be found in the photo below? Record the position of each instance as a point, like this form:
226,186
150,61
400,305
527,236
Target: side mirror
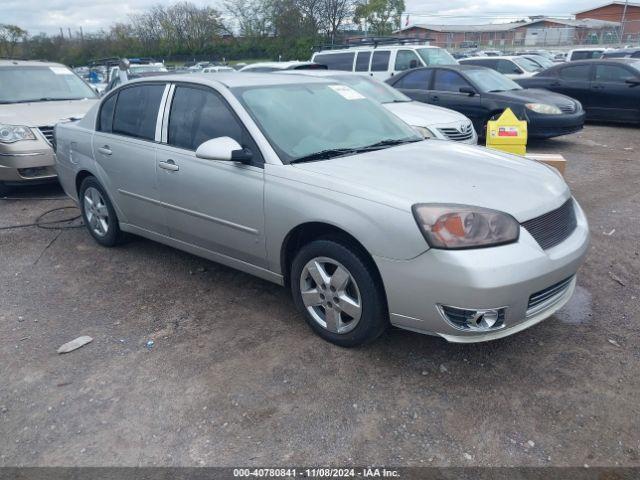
468,90
413,64
223,148
634,82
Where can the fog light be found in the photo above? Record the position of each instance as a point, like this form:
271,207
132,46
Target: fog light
474,320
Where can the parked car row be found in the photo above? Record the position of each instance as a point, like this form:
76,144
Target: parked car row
306,181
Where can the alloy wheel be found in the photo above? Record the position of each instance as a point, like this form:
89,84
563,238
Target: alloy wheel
96,211
331,295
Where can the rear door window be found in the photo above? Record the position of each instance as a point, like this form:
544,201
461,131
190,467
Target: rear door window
507,67
105,123
612,73
417,80
362,61
380,61
336,61
198,115
137,111
449,81
577,72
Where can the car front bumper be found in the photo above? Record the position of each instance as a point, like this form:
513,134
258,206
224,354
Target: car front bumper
549,126
29,165
488,278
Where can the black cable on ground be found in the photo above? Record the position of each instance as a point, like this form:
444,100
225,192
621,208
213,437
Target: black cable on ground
51,224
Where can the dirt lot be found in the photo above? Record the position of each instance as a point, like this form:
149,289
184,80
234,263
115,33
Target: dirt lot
236,377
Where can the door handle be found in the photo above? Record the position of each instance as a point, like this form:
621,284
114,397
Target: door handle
105,150
169,165
435,98
598,87
555,84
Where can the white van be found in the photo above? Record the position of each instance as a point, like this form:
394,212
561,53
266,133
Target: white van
383,61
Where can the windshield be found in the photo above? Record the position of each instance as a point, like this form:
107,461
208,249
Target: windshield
301,120
527,64
38,84
378,91
436,56
542,61
487,80
146,68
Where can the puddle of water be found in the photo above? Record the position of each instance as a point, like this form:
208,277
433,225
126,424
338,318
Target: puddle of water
578,310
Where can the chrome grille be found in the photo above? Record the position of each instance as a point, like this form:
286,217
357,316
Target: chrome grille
554,227
458,135
548,297
47,132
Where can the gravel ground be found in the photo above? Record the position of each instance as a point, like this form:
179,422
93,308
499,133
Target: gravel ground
236,377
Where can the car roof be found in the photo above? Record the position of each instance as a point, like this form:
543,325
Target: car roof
233,80
372,47
322,73
598,60
497,57
282,65
7,62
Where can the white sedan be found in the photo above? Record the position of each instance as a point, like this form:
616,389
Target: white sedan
430,121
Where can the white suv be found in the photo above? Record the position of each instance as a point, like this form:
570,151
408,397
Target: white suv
383,61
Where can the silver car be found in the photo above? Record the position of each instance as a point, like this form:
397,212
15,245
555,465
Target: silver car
305,182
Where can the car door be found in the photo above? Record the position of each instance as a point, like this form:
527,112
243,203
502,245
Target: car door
416,84
612,97
573,81
214,205
124,146
445,92
380,64
406,60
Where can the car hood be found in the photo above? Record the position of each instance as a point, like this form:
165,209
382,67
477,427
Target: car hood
535,95
422,115
39,114
444,172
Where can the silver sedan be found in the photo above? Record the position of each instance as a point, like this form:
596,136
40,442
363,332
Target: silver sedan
307,183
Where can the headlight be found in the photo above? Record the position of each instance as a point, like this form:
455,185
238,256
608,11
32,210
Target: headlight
424,131
461,226
544,108
15,133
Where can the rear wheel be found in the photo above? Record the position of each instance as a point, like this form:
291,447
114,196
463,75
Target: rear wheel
337,292
98,213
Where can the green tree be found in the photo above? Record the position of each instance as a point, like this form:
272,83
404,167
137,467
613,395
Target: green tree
380,16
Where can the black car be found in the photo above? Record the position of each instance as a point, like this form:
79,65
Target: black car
609,90
483,94
622,53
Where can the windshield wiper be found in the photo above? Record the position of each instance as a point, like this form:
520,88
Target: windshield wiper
47,99
338,152
324,155
388,143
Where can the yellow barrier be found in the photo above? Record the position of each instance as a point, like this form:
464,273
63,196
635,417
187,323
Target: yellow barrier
507,133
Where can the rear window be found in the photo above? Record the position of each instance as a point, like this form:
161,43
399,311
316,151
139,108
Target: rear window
137,111
380,61
585,55
336,61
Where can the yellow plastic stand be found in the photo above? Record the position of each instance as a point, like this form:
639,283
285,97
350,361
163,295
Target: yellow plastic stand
507,133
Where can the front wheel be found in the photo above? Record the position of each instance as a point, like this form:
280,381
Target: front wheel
338,293
98,213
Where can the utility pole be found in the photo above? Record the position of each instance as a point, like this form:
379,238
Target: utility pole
624,18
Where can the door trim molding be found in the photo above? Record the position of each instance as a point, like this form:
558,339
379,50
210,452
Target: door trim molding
193,213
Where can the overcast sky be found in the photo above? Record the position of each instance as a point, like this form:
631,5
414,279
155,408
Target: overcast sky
92,15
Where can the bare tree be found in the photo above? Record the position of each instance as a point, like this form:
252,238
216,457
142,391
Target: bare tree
10,36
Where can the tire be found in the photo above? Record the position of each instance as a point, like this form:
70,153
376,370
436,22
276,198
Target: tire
355,312
4,190
101,221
